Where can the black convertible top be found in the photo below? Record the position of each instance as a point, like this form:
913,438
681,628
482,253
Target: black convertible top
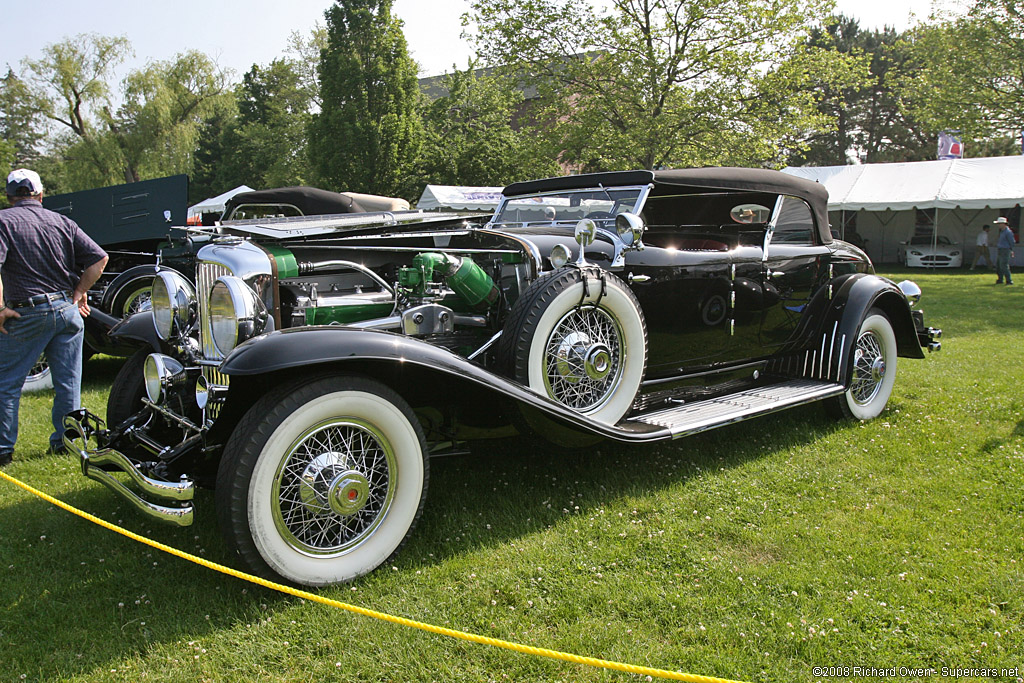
312,201
694,180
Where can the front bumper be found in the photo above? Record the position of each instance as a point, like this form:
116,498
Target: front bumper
161,500
928,337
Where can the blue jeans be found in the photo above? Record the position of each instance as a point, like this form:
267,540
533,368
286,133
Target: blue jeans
1003,266
55,328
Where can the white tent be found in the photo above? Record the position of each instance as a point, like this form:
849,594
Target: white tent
994,182
888,203
459,198
216,204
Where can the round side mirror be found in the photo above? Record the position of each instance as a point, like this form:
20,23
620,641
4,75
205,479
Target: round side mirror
585,232
630,228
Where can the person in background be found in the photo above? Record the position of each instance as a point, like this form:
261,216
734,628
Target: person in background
1004,246
47,265
981,250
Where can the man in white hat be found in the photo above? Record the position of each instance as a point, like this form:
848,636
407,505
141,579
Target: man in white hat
47,265
1004,246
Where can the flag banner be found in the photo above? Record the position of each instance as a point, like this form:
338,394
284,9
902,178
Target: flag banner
950,146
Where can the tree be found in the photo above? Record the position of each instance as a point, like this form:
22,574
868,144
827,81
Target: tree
367,134
153,133
970,76
473,135
871,122
22,127
157,128
656,83
70,85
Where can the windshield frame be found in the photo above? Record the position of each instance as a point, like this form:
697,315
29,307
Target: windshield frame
642,193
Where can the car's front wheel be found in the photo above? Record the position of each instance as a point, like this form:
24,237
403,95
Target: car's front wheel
873,359
322,482
128,389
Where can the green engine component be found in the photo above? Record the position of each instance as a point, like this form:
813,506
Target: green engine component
285,260
344,315
462,274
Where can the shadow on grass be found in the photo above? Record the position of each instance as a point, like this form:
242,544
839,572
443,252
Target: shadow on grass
101,587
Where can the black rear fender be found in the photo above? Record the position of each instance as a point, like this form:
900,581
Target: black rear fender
853,297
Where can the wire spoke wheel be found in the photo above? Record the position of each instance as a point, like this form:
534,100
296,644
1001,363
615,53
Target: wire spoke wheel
578,337
872,370
322,481
39,377
334,487
39,368
583,359
868,368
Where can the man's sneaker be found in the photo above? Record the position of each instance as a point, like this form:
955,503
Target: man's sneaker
6,459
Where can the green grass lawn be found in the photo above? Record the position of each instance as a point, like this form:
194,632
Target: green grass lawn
754,552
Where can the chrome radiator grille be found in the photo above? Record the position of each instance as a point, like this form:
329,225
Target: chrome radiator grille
206,276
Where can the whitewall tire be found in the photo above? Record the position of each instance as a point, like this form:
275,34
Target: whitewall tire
579,338
322,483
39,378
873,370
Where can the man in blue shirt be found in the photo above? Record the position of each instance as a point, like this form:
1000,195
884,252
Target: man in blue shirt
47,265
1004,245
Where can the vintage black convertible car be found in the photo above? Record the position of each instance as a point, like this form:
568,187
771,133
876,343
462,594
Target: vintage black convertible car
317,364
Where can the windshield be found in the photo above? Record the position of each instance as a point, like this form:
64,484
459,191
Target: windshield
569,206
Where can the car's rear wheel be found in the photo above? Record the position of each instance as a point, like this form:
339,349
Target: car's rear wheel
873,360
322,482
579,338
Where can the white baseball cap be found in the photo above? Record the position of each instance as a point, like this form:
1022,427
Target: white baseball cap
22,177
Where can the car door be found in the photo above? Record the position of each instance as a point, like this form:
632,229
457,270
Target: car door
795,264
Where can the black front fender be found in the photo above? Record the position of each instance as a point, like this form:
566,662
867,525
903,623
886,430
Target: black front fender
361,350
138,327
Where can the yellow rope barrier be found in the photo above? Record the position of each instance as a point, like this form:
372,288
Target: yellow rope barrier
313,597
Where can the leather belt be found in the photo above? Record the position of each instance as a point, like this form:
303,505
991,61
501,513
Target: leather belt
39,299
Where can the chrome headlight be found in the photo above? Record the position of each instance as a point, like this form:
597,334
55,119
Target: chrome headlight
559,256
173,301
236,313
160,372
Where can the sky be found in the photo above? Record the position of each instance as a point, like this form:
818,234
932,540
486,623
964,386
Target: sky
240,33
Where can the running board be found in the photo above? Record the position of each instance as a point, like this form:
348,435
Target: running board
691,418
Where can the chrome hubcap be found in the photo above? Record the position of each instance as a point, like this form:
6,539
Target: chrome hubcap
350,491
